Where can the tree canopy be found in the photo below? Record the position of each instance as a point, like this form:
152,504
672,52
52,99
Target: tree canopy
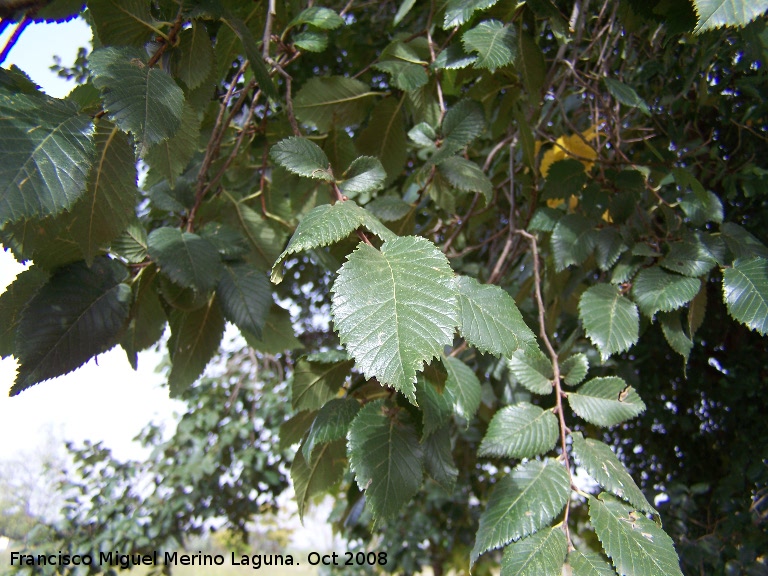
485,249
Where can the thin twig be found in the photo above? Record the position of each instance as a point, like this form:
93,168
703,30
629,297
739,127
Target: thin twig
171,39
14,38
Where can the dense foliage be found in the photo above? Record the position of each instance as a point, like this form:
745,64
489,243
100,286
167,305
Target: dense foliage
513,236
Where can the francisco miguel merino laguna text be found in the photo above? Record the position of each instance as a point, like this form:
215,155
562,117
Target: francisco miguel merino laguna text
125,561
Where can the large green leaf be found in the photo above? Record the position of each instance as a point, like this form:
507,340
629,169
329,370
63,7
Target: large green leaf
520,431
407,76
46,154
489,318
144,101
12,304
265,240
462,124
466,176
327,224
573,240
657,291
79,313
365,175
438,460
187,259
610,320
147,319
436,406
252,52
395,309
716,13
169,158
330,100
494,42
315,383
122,22
325,471
745,291
109,202
245,296
277,334
636,545
542,554
689,258
193,59
384,137
565,178
533,370
462,387
521,504
195,338
302,157
589,564
605,467
323,18
386,457
457,12
606,401
331,423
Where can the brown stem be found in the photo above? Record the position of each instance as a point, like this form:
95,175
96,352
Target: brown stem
555,369
175,29
341,198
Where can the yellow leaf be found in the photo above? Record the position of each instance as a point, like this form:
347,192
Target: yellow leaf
574,146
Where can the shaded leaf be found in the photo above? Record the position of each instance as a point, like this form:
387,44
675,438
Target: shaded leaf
277,334
466,176
147,318
245,296
589,564
395,309
331,423
462,387
317,477
315,383
12,303
384,137
573,240
542,554
170,157
330,100
462,124
186,258
122,22
323,18
532,369
520,431
193,59
606,401
574,369
436,406
522,503
657,291
610,320
457,12
386,457
671,325
688,258
494,43
438,459
636,545
364,175
626,95
302,157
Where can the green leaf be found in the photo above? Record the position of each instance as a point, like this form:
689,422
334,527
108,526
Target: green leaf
436,406
331,423
293,430
532,369
323,18
589,564
265,241
46,154
521,504
544,219
574,369
170,157
245,296
489,318
122,22
573,240
315,383
12,304
142,100
325,471
277,334
327,224
462,387
147,318
745,292
702,207
402,11
610,320
564,178
79,313
325,101
462,124
467,176
531,66
193,59
395,309
657,291
626,95
606,401
389,208
109,202
364,175
453,58
384,137
311,41
457,12
302,157
635,544
671,325
520,431
386,457
542,554
494,43
438,460
696,311
607,470
195,338
406,76
185,258
716,13
258,66
742,243
610,246
688,258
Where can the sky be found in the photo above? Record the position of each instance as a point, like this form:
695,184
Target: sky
107,401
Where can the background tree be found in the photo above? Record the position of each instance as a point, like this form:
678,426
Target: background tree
499,226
